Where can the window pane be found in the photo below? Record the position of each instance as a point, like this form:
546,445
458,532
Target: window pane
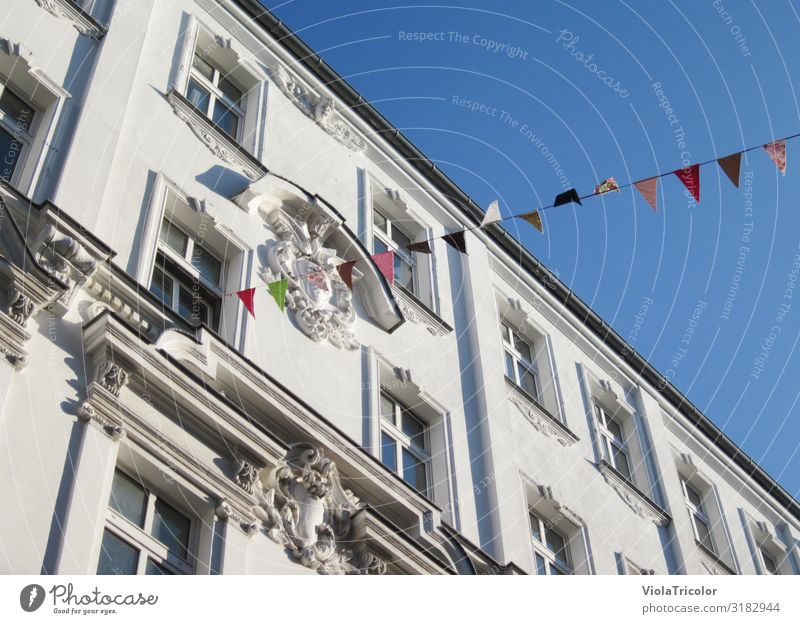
536,528
128,498
225,119
10,149
230,90
153,568
510,367
380,221
161,286
703,533
621,461
414,429
693,496
528,380
389,452
18,114
379,246
614,429
171,528
541,566
192,307
198,96
522,347
387,409
403,273
400,238
204,67
555,542
116,556
173,237
208,266
414,472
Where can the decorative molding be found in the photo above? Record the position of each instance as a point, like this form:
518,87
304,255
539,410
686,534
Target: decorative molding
13,337
418,313
711,563
219,143
540,418
92,411
20,306
634,498
321,302
82,21
15,48
321,109
64,258
546,492
248,524
246,475
309,513
111,376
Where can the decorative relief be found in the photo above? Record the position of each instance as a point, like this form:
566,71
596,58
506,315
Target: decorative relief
225,510
321,109
20,306
632,497
63,9
321,302
418,314
307,511
544,424
111,377
245,475
64,258
88,413
712,566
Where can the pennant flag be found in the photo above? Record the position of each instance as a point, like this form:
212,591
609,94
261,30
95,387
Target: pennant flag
534,218
457,241
731,166
690,176
317,278
492,214
421,247
649,190
777,152
385,263
278,292
345,270
606,186
566,197
247,297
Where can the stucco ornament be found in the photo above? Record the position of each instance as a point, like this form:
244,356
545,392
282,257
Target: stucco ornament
306,510
20,306
321,302
321,109
111,376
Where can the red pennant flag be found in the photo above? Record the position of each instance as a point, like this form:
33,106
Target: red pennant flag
649,190
385,263
247,296
457,241
777,152
690,176
346,273
731,165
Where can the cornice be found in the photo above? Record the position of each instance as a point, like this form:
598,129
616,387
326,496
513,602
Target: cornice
542,420
633,497
417,312
84,23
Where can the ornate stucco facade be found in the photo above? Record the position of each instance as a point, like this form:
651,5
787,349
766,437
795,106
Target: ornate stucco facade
473,417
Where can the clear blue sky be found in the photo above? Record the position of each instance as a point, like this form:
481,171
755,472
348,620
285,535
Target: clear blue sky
728,71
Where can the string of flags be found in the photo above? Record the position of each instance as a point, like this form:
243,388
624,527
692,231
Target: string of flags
647,188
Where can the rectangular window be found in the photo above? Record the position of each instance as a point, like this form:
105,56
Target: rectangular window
144,534
519,362
16,121
551,551
615,450
391,237
212,91
405,446
701,525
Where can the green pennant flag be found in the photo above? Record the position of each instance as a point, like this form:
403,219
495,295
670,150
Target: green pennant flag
278,292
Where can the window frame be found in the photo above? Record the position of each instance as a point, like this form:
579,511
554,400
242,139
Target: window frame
697,511
26,137
541,550
610,442
403,255
215,92
403,441
509,333
148,547
765,555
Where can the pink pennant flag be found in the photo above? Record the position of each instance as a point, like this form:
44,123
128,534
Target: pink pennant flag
649,190
690,176
247,297
385,263
777,152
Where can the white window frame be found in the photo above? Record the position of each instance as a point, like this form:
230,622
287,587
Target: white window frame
509,332
540,548
698,512
610,442
403,441
404,255
142,540
25,137
215,93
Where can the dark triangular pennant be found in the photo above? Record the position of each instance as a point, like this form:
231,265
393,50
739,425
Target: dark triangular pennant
567,197
534,218
456,240
346,272
421,247
731,165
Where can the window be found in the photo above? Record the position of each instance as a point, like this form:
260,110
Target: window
612,440
213,92
520,365
389,236
405,445
550,548
770,566
701,524
187,276
16,121
144,534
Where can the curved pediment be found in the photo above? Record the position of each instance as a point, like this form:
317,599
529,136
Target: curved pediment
311,240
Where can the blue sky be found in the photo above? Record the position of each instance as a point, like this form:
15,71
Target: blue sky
726,69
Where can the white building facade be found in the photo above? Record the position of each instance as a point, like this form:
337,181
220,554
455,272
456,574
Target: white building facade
473,417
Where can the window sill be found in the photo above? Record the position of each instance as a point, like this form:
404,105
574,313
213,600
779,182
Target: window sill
84,23
417,312
712,563
219,143
542,420
633,496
